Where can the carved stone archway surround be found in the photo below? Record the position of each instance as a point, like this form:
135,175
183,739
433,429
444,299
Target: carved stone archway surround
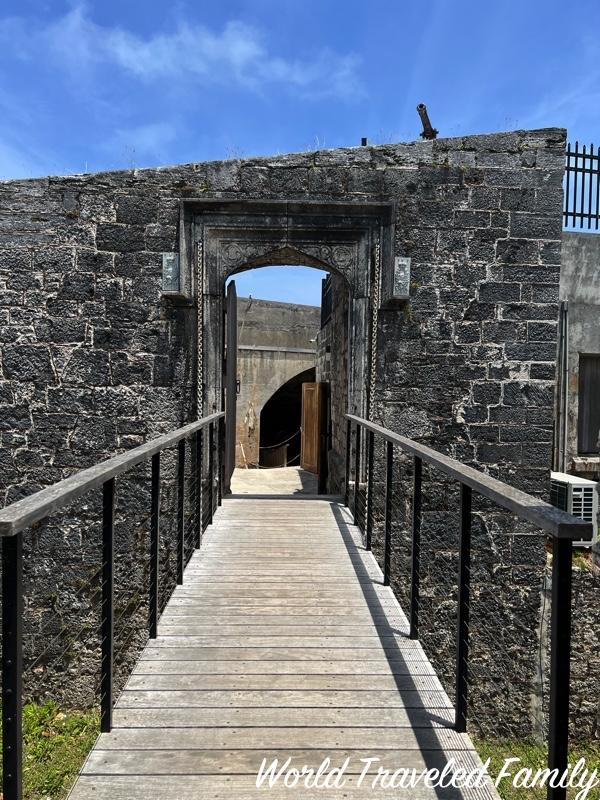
221,238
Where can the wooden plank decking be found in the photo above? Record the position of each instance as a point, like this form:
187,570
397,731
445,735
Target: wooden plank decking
281,642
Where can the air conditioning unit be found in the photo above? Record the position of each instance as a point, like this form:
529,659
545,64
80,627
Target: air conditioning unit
578,496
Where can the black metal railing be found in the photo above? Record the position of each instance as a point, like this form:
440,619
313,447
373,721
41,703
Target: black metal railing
196,505
373,456
582,188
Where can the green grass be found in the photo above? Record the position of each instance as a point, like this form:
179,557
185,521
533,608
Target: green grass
533,756
55,745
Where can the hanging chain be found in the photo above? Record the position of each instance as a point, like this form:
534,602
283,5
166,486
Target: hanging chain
376,301
200,332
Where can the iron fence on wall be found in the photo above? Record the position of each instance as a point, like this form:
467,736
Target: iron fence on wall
582,188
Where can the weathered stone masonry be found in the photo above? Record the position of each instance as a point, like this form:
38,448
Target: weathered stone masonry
93,359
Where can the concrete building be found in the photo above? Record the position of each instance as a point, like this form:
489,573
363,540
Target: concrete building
276,352
578,419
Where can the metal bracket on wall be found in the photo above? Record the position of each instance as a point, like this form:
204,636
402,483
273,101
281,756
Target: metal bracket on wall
401,284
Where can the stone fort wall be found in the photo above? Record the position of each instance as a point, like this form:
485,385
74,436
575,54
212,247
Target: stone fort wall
93,358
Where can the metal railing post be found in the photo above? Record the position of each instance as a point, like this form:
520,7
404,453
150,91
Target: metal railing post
108,615
560,660
348,449
462,631
416,548
221,465
12,666
180,511
199,441
211,471
370,453
154,547
356,472
387,555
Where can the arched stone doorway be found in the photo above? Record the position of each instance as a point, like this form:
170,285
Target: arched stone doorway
352,241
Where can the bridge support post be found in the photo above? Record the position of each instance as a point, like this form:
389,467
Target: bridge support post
370,452
464,589
356,473
211,472
220,465
348,448
180,511
199,527
108,621
560,660
154,547
416,549
389,476
12,666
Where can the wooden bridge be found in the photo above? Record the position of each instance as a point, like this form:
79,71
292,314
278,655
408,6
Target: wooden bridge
282,639
282,642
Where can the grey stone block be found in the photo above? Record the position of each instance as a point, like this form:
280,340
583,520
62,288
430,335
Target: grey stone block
120,238
292,180
499,292
136,209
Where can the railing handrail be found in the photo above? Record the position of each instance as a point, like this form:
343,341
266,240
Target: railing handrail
554,521
23,513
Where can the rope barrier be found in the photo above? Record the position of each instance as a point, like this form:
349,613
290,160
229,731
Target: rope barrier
285,441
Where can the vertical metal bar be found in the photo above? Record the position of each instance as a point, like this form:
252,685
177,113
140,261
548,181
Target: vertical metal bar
12,666
597,212
348,449
107,623
199,441
180,510
575,174
356,472
590,187
220,461
211,471
389,475
560,660
582,199
567,185
154,547
370,452
416,549
462,631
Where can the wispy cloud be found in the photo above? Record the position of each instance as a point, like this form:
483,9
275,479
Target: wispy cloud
574,100
143,142
236,55
18,162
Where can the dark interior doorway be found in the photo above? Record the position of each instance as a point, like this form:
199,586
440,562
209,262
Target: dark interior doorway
280,421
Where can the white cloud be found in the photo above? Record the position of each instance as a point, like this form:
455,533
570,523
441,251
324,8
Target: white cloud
238,55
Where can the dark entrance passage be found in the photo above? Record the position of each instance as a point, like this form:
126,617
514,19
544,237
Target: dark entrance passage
280,422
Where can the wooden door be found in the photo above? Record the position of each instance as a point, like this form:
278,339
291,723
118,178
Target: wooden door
230,385
310,440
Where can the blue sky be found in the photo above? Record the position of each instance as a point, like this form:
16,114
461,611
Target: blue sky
90,86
